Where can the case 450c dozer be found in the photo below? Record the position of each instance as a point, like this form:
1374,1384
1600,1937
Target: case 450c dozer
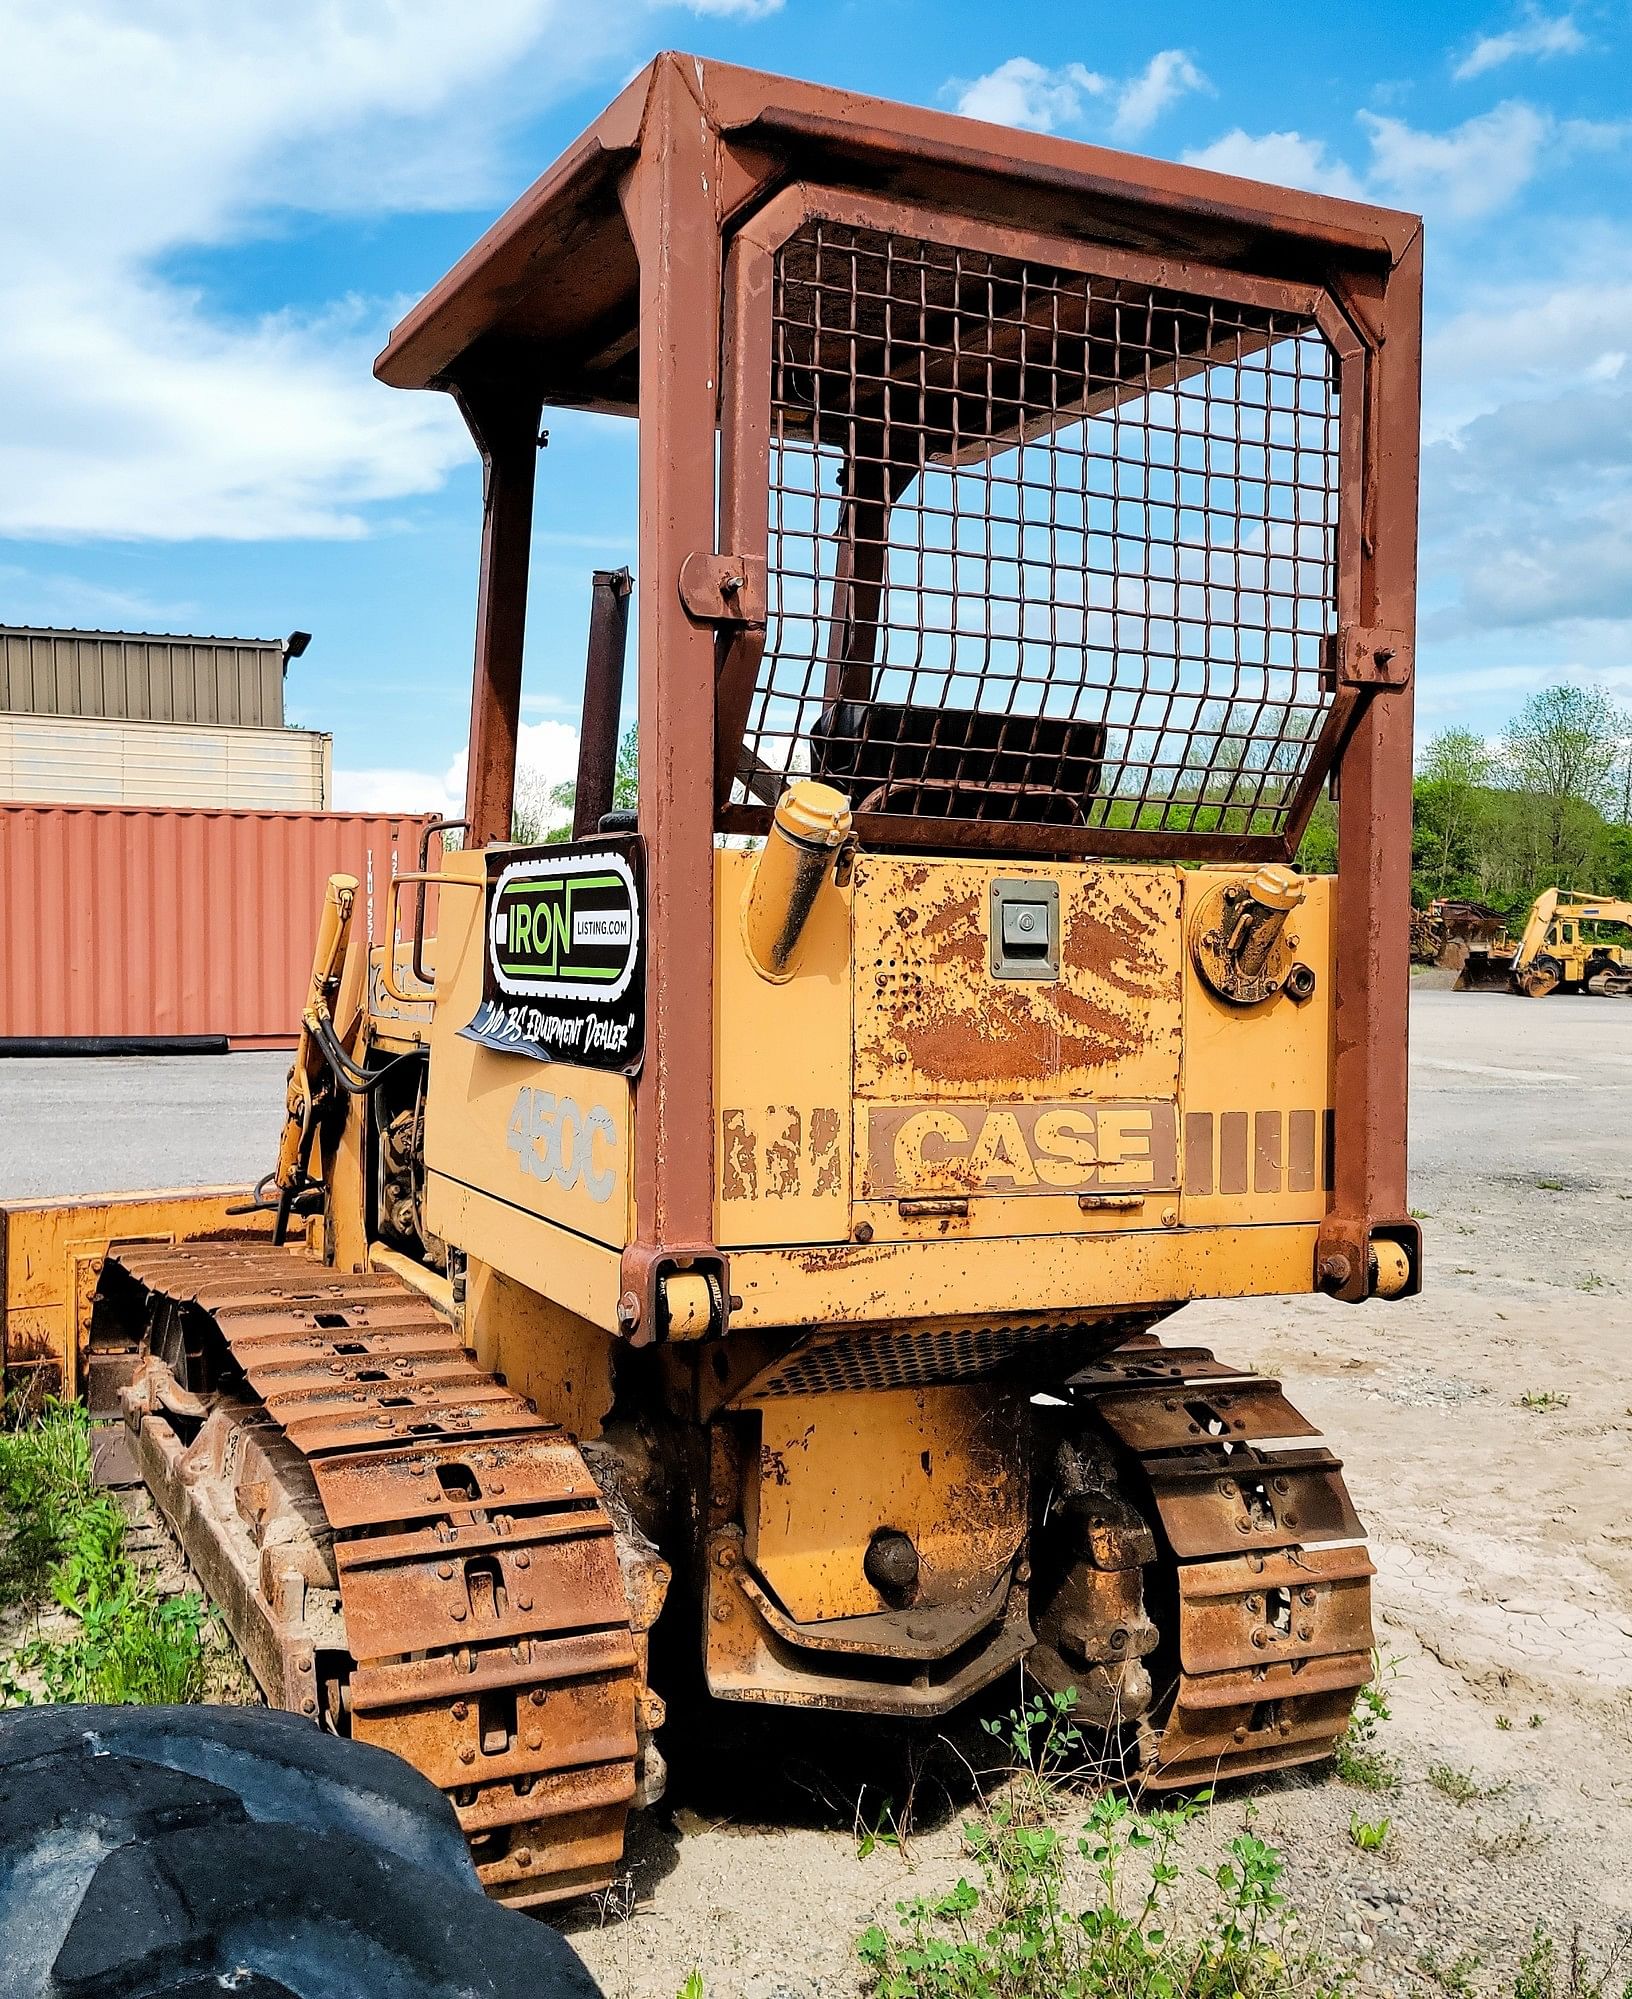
755,1214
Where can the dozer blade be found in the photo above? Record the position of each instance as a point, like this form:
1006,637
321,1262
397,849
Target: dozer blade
404,1553
1481,973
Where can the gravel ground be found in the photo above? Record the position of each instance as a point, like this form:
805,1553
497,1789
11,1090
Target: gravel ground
1503,1537
1502,1534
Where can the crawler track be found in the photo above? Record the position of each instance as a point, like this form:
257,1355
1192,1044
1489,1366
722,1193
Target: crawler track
483,1630
1262,1585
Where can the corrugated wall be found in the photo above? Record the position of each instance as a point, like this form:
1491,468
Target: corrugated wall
61,759
141,676
143,921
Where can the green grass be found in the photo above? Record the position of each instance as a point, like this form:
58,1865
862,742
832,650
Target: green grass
1370,1835
1360,1761
45,1468
1460,1786
1545,1975
1543,1400
116,1640
1016,1931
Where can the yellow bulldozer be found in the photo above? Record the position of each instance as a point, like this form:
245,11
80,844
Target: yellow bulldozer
1559,950
739,1235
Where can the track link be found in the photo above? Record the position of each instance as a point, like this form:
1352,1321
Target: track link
487,1635
1262,1587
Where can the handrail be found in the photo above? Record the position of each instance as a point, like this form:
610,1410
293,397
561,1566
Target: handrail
388,963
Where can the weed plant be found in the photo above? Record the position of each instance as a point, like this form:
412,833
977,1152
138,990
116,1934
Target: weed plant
64,1544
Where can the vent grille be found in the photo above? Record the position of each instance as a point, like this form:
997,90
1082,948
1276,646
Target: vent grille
906,1357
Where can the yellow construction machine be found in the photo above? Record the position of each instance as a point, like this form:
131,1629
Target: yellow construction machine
1560,950
737,1236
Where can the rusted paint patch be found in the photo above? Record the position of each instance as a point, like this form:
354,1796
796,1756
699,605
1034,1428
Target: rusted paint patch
782,1154
931,1017
824,1150
739,1167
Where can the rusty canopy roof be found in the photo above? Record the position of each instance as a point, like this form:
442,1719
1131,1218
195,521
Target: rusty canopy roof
508,292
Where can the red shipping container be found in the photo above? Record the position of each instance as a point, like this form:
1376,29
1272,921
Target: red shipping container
146,922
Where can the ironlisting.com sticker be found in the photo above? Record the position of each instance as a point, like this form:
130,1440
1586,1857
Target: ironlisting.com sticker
564,979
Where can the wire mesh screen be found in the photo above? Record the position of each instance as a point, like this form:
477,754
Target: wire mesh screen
1043,547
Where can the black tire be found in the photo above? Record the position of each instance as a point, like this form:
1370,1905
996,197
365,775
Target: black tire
158,1853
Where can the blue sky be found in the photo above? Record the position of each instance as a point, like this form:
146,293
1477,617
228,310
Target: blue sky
213,214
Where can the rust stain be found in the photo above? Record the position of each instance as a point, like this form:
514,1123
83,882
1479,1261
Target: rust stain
739,1168
824,1151
1107,939
782,1155
937,1011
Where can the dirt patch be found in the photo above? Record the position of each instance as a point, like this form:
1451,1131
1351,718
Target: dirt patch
1503,1536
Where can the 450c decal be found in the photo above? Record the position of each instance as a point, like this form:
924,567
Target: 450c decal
554,1138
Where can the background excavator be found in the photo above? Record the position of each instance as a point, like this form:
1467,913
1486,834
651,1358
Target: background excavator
724,1252
1561,949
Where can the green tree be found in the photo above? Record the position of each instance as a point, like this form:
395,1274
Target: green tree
557,815
1561,753
1451,801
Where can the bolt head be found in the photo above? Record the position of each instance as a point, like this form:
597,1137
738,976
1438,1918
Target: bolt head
523,1559
460,1710
537,1697
308,1705
467,1754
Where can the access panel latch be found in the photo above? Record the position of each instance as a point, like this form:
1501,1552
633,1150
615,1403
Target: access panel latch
1025,928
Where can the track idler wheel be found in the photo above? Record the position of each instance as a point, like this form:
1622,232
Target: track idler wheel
1540,979
1255,1591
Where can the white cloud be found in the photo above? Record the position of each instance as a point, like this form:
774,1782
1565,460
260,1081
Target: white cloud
1459,175
128,134
1538,35
1023,92
546,755
1168,76
1285,158
1470,171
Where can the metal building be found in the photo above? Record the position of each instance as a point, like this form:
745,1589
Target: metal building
145,676
142,718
